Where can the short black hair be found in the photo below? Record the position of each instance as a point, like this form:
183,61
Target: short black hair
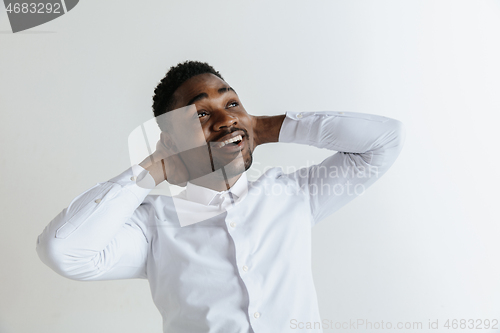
163,98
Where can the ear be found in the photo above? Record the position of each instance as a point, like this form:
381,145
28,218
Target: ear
167,141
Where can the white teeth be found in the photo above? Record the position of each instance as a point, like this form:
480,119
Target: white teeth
222,144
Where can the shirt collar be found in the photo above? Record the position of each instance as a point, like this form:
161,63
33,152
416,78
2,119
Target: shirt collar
205,196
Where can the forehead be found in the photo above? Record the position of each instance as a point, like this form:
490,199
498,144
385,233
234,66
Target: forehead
203,83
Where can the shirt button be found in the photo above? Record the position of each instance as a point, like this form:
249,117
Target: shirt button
341,112
256,315
133,178
97,200
245,268
232,224
299,115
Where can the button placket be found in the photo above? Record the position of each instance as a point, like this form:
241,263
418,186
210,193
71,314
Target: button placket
244,263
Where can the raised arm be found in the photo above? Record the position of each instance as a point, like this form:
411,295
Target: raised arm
367,145
101,234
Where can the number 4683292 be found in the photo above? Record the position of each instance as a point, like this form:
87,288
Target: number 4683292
477,324
34,8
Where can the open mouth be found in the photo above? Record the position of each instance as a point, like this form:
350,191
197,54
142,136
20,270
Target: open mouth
235,141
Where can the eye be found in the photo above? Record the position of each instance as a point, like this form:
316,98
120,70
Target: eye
202,114
232,104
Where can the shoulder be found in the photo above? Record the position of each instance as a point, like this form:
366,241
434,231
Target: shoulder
276,177
156,208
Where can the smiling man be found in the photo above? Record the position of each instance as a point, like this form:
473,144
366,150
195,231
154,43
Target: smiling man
242,263
209,116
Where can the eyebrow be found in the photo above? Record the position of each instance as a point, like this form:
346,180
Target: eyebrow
205,95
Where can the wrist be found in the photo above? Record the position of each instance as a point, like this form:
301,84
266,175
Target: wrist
155,169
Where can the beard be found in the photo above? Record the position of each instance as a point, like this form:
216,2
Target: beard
233,168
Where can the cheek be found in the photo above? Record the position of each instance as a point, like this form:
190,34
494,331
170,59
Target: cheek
251,142
195,133
204,134
188,138
250,135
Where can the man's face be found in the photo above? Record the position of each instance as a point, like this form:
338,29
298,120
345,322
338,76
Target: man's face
226,127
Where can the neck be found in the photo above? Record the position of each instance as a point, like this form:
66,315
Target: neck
216,183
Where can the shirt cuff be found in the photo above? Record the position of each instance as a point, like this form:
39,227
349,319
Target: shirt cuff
137,180
296,125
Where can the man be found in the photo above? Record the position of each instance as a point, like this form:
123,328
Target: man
241,260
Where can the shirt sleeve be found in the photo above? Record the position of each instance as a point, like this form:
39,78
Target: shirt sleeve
367,145
102,234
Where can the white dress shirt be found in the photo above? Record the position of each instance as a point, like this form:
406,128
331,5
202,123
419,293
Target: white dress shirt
245,269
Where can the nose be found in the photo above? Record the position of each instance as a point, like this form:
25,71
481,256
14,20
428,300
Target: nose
224,119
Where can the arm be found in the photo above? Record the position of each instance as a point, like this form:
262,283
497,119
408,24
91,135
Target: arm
367,145
101,235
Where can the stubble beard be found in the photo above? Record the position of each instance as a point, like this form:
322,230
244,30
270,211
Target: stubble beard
233,168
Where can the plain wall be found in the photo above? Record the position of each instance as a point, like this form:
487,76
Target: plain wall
421,244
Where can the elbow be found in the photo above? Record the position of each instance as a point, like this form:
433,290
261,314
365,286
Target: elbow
394,145
394,139
390,146
54,254
399,134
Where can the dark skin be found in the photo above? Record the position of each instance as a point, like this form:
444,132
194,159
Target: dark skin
207,113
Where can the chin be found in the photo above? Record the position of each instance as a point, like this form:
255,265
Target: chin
236,167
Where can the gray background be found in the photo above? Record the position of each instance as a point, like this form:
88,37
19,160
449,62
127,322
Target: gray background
421,244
